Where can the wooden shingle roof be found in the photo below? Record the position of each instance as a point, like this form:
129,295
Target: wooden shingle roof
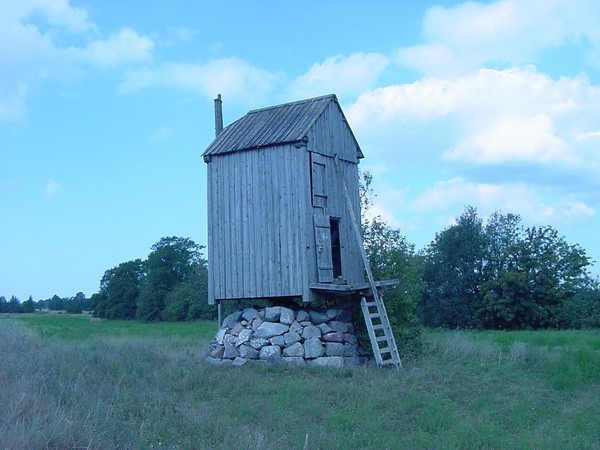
281,124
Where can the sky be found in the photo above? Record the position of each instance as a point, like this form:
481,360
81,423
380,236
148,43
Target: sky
105,112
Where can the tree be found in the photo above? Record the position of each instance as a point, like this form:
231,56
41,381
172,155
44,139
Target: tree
13,306
188,300
3,304
453,273
170,263
56,303
119,291
500,275
28,306
581,310
544,271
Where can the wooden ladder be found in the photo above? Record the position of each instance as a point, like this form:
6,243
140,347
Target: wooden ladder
378,324
380,333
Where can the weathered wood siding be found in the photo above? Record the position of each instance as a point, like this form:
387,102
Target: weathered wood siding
336,207
258,202
330,134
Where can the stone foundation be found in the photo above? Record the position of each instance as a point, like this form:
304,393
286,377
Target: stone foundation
281,335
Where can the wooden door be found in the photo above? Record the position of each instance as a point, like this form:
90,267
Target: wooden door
323,248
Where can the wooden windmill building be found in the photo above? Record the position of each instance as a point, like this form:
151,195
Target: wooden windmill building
283,205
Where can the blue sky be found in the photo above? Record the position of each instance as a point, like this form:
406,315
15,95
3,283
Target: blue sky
105,111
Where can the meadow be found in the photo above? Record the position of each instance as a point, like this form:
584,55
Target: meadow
69,383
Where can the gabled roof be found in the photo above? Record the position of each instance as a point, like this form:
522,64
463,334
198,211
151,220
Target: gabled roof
281,124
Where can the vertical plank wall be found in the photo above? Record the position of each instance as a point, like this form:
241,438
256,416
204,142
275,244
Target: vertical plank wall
257,204
330,135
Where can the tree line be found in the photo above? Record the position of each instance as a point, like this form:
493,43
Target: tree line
71,305
492,273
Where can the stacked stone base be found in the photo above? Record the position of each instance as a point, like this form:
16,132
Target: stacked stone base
280,335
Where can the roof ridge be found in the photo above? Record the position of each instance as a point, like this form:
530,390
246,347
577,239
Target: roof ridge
297,102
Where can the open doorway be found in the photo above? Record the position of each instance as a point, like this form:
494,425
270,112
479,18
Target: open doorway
336,248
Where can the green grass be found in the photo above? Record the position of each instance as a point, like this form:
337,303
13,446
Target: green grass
67,383
80,327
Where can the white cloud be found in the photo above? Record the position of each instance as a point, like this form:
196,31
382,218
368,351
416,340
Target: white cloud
51,38
52,188
494,116
467,36
123,47
233,77
532,203
342,75
514,139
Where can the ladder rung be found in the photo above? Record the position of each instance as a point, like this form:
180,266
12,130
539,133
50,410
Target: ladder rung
371,303
381,338
378,327
375,315
387,362
385,350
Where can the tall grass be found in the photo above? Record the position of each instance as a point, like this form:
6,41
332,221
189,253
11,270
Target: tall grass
152,388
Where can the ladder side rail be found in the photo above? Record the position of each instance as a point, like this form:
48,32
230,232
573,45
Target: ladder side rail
375,293
371,332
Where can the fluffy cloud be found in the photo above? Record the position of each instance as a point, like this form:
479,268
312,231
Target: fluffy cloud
123,47
450,196
232,77
33,33
514,139
496,116
342,75
465,37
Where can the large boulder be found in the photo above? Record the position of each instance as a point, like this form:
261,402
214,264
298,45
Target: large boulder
273,313
243,337
334,349
287,316
250,314
317,317
271,353
310,331
231,319
294,350
269,329
313,348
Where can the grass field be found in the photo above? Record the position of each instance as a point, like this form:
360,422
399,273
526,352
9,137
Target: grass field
69,383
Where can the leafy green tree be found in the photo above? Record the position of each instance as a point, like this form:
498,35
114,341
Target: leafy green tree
13,305
28,306
56,303
170,263
119,291
73,306
544,271
453,273
3,304
188,300
581,310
